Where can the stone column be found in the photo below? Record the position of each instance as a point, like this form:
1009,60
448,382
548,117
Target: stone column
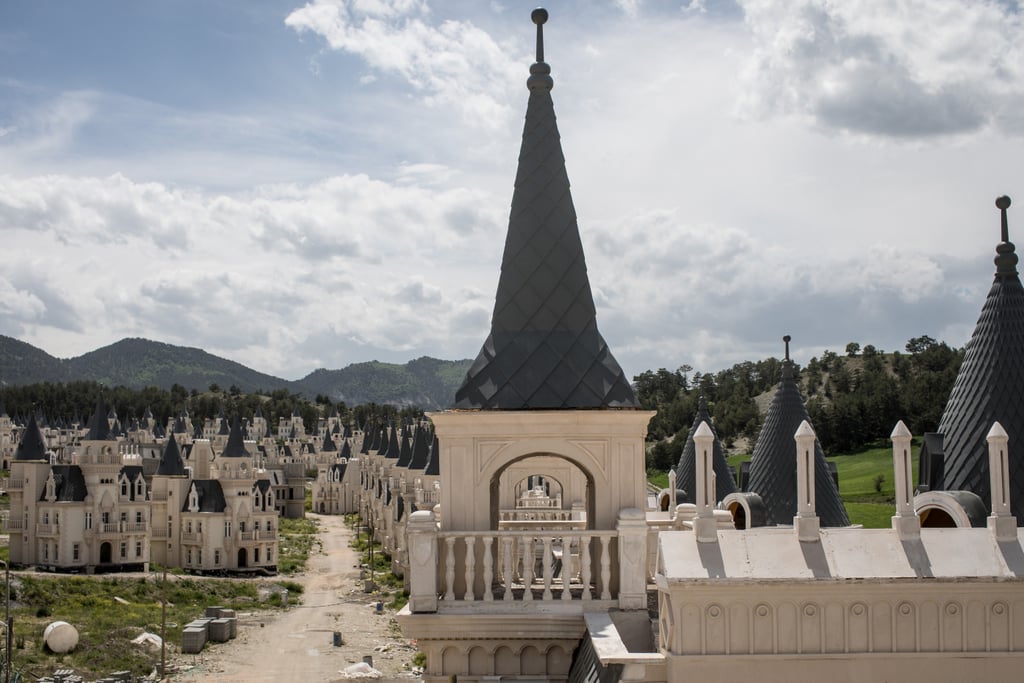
905,521
704,524
806,520
632,528
422,539
1002,522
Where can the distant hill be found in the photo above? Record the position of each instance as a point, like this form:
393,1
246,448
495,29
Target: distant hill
136,363
425,382
22,363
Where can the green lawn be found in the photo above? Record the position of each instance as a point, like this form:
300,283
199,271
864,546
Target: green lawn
857,476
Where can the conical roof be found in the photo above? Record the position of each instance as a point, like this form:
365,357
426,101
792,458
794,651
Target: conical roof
544,350
328,444
773,464
420,449
171,463
988,386
99,428
686,470
235,447
32,445
393,450
404,449
433,467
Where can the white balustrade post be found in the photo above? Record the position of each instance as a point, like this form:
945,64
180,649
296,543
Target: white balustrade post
470,568
488,569
632,528
606,568
806,521
508,561
671,489
1002,522
567,542
423,557
529,559
704,524
449,569
546,564
905,521
585,566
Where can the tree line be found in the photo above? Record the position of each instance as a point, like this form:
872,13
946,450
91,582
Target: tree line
77,401
853,400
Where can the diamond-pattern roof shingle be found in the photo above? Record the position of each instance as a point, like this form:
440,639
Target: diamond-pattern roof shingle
686,470
32,445
544,350
989,387
773,464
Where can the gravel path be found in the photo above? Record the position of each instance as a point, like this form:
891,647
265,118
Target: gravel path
297,644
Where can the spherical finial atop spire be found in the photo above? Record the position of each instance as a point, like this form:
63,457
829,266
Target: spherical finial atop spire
539,16
1006,259
540,73
786,340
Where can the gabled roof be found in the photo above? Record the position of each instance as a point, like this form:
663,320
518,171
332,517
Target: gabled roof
235,447
339,468
544,350
686,469
171,463
773,464
32,445
989,386
69,484
132,473
211,496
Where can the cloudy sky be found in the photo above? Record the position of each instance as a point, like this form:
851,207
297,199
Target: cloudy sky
296,186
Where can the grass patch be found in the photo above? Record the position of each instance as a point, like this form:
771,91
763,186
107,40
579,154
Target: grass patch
296,539
391,587
866,482
105,625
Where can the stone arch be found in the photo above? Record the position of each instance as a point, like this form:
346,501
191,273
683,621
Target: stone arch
949,509
452,661
558,660
480,662
532,662
495,482
506,662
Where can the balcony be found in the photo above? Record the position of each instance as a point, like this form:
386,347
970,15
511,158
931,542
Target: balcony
192,537
158,496
13,484
15,525
47,529
135,527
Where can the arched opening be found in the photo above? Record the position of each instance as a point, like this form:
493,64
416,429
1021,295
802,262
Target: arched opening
242,558
542,487
322,507
106,552
936,518
739,515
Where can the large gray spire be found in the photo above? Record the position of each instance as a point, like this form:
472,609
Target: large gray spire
544,350
988,386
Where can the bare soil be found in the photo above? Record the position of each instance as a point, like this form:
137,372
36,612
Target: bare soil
297,644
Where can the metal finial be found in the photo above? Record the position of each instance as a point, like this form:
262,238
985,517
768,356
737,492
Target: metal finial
1006,259
539,17
787,339
1003,203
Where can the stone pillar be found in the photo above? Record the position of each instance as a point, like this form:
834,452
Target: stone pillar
632,528
806,521
705,525
422,539
1002,522
905,521
671,489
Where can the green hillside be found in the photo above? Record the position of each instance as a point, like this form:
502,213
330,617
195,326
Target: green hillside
22,363
425,382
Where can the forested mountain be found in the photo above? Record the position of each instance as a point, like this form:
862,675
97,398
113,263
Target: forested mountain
428,383
852,400
138,363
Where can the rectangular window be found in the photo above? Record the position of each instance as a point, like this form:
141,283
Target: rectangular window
124,550
46,551
188,556
138,548
46,517
200,551
216,557
188,528
106,518
75,552
241,526
227,529
138,516
88,520
124,516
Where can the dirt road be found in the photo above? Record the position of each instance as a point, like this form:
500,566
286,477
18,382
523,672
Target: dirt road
297,644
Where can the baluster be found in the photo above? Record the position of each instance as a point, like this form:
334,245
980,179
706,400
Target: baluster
546,563
488,570
606,568
528,559
470,568
585,566
566,567
507,562
449,568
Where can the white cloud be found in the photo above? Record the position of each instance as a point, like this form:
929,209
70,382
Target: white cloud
905,69
454,63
